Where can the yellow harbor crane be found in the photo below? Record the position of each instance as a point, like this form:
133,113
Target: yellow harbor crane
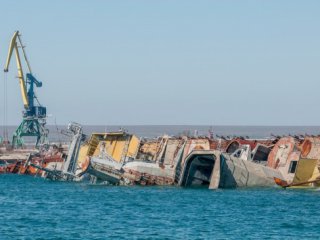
34,114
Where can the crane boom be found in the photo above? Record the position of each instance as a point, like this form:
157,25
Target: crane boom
23,87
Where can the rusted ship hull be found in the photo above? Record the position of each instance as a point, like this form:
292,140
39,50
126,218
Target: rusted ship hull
131,173
146,173
104,170
201,168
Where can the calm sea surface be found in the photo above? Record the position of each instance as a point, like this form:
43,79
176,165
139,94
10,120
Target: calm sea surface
151,131
34,208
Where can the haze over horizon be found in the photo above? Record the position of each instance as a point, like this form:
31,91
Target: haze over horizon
240,63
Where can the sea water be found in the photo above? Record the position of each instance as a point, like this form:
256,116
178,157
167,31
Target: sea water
152,131
35,208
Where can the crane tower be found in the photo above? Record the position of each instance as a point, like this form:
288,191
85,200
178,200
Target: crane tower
34,114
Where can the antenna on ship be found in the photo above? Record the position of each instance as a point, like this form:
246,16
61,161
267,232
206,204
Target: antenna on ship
210,133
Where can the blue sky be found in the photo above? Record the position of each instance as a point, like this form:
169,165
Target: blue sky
168,62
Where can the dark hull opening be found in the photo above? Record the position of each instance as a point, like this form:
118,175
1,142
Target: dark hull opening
198,171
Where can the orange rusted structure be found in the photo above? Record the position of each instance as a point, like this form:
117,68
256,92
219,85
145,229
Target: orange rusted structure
25,166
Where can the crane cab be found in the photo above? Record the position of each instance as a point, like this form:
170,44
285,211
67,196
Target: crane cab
35,111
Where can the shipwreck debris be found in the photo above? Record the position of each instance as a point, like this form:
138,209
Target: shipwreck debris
298,160
65,169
